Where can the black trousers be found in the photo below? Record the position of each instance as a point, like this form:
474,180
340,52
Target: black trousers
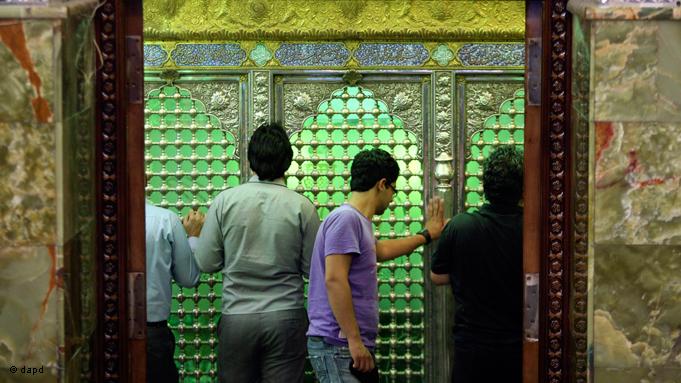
481,365
160,349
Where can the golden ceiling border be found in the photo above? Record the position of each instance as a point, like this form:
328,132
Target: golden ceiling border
440,35
388,20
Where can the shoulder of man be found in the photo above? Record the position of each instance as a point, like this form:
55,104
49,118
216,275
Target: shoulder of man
463,221
342,215
226,193
153,210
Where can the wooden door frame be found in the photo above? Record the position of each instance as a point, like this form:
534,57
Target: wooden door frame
119,345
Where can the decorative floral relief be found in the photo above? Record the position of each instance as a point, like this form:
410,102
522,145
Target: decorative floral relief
261,101
406,99
301,100
443,113
483,100
221,99
401,102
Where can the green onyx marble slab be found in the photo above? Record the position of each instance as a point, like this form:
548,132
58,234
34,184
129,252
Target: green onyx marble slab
637,312
668,80
625,67
581,59
28,90
30,297
637,375
28,211
637,183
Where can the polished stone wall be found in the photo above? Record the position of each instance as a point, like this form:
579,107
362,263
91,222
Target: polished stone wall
46,197
634,122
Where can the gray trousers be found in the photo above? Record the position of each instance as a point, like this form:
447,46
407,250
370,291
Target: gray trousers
262,348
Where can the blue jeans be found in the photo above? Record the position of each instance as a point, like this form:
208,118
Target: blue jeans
331,363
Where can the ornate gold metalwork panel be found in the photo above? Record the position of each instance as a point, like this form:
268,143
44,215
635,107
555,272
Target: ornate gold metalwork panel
491,113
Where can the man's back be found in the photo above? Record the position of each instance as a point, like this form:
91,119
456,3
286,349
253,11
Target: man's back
260,235
169,257
484,260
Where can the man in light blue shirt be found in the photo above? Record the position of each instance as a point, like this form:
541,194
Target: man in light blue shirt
260,236
169,256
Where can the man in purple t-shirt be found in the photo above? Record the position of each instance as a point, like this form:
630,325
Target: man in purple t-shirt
343,294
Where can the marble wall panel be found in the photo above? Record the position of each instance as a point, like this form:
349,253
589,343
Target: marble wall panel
637,313
47,197
27,56
29,310
28,190
637,76
581,61
637,183
668,80
625,68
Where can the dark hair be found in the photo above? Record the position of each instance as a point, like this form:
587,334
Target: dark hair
370,166
502,178
269,152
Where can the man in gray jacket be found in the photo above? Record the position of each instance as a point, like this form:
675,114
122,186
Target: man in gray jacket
260,235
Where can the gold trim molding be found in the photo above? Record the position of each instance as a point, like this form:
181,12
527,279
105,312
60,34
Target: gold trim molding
286,20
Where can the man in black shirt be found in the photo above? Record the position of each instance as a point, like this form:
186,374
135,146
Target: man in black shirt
480,254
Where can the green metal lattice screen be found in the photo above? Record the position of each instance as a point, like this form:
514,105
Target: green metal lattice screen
190,159
350,121
504,128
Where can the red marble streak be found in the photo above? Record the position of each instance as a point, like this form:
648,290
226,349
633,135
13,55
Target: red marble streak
633,166
651,182
604,135
52,284
633,162
53,281
12,34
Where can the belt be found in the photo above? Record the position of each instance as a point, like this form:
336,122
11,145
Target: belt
163,323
